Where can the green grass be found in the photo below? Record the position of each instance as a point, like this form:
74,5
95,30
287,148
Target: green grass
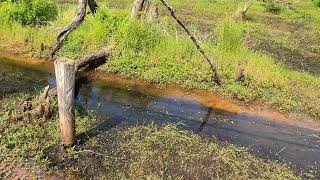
161,53
26,142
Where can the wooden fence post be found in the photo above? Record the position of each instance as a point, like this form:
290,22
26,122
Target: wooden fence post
65,71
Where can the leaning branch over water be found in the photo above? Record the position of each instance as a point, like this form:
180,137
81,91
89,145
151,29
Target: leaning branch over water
215,74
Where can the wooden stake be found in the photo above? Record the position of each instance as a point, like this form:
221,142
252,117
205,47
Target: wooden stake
65,77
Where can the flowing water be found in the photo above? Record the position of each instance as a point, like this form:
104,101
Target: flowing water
116,101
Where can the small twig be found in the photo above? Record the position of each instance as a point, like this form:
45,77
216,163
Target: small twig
90,151
277,154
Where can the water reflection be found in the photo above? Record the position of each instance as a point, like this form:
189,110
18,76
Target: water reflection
205,120
263,136
15,78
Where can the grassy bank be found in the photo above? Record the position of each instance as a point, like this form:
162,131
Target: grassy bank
161,53
144,151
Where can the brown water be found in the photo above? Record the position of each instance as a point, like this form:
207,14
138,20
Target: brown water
116,101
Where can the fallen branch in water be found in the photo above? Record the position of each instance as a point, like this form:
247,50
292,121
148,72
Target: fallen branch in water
215,73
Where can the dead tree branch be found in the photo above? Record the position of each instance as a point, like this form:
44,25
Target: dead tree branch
63,34
215,74
93,6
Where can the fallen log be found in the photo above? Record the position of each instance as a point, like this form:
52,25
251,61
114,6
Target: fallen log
93,60
215,74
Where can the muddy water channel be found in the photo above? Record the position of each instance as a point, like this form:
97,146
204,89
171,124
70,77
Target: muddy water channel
116,101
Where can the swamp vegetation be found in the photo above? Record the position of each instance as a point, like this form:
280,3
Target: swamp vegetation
276,46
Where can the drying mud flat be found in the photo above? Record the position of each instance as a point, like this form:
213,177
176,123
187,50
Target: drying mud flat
120,104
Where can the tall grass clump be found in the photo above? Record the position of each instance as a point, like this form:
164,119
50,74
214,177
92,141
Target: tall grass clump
316,2
230,36
273,7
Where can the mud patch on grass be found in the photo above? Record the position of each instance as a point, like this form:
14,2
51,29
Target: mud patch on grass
293,59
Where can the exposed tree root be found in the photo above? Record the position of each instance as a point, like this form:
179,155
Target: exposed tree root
39,108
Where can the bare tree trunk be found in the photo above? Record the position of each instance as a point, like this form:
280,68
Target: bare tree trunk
241,14
136,8
82,6
151,11
215,73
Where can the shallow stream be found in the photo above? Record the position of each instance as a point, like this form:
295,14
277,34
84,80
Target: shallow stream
116,101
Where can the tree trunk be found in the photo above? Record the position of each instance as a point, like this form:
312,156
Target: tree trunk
65,71
151,11
136,8
241,14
